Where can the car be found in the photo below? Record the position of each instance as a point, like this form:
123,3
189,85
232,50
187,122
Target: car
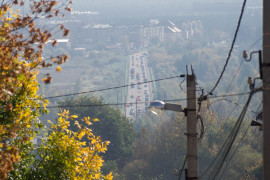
145,85
146,109
145,91
132,85
131,96
131,112
139,111
146,99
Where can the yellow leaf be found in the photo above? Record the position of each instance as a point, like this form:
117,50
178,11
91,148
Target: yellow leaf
97,176
109,176
93,141
74,116
81,135
83,143
88,123
58,69
95,119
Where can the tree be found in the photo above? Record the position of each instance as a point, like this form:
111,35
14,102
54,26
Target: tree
112,126
158,152
64,155
21,47
21,53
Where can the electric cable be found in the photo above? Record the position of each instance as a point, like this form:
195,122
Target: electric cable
231,48
222,154
182,169
253,44
227,117
230,140
230,84
105,89
237,104
141,102
234,152
202,126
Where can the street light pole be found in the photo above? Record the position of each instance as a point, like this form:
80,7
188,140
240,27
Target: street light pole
157,107
192,152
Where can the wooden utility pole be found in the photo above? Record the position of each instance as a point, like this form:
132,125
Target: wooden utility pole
266,90
192,135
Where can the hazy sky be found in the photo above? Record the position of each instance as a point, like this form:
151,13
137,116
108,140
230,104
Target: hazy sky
140,8
134,7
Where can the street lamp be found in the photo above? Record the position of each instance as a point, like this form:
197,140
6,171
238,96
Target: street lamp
158,107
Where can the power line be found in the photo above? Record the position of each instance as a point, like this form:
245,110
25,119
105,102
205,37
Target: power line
238,145
230,140
253,44
141,102
231,49
183,168
236,103
227,117
117,87
223,153
230,84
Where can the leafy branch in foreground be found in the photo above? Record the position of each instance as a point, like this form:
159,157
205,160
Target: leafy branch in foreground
21,51
64,155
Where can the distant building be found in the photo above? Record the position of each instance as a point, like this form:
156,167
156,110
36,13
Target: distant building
147,33
192,27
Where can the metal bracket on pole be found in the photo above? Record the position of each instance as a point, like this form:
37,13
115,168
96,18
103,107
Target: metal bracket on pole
186,110
191,134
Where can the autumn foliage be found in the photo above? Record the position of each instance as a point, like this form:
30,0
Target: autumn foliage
21,56
63,154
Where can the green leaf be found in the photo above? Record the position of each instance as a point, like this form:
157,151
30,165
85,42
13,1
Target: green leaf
21,77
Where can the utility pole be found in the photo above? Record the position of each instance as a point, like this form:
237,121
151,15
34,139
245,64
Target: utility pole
266,90
192,153
136,108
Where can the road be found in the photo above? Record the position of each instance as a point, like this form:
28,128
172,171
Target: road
139,95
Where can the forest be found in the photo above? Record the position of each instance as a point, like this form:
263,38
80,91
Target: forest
61,118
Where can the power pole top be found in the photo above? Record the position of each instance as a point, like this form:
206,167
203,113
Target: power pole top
192,135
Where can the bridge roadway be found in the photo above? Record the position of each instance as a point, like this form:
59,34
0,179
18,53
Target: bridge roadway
139,95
